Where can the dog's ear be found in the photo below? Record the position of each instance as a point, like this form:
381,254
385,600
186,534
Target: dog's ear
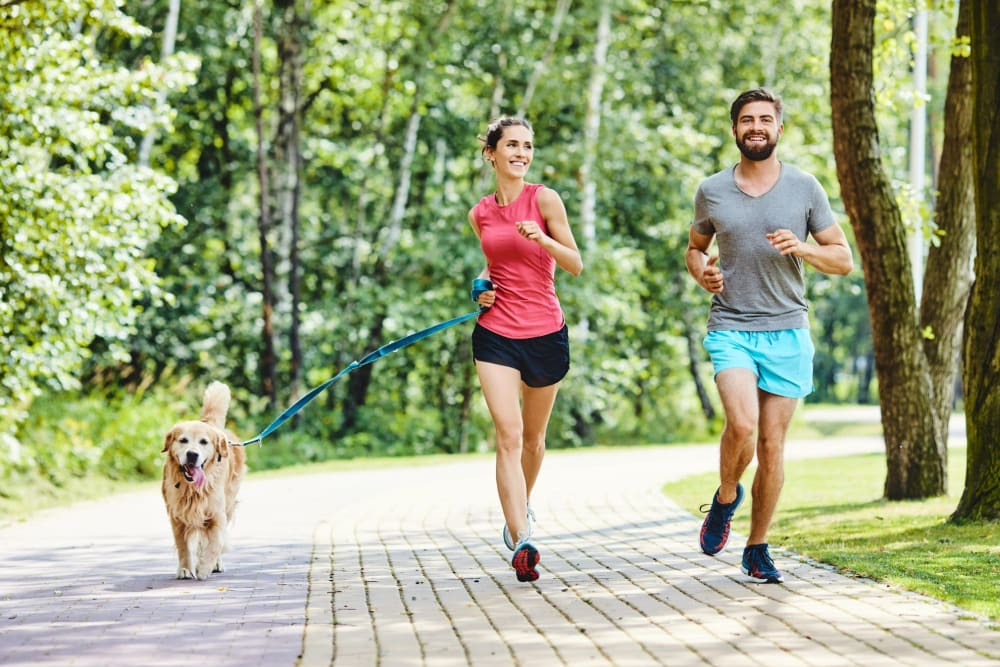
169,440
221,446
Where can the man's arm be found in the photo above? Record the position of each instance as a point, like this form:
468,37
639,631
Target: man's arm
703,268
830,254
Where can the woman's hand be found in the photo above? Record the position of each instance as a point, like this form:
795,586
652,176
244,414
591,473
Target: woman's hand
530,230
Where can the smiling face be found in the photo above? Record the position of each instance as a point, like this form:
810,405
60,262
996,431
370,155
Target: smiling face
513,153
757,130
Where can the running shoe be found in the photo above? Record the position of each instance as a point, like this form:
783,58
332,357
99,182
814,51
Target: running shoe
508,539
715,527
757,565
525,559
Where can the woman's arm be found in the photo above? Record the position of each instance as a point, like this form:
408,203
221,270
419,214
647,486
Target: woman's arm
559,242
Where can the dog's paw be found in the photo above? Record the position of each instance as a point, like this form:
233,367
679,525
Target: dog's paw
219,567
184,573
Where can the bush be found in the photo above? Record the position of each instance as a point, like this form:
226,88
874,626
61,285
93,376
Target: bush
118,436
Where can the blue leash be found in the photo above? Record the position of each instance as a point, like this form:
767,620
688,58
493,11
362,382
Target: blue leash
479,285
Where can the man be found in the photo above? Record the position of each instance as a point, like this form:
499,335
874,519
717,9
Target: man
760,213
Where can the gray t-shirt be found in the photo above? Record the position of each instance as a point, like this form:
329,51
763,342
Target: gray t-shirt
763,290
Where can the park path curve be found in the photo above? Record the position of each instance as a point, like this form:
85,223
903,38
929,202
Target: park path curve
404,566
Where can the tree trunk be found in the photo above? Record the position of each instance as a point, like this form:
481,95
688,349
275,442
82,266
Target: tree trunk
541,64
948,275
167,50
592,127
360,380
467,373
695,350
268,358
915,441
288,167
394,228
981,498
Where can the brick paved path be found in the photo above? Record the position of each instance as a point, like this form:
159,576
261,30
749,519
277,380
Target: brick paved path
405,567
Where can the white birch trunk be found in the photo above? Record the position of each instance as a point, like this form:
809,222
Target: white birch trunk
592,127
167,50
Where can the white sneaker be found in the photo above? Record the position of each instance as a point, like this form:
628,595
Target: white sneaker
508,539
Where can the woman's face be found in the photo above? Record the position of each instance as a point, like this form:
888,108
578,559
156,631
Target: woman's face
512,156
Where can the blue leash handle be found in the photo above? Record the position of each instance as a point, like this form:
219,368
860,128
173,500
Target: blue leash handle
372,356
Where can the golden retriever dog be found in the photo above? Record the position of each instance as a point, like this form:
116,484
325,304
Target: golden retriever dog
201,477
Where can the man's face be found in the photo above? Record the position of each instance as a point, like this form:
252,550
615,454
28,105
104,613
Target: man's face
757,130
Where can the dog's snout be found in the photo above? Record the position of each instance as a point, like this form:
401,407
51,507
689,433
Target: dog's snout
191,457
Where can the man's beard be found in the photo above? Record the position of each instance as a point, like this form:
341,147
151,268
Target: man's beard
757,153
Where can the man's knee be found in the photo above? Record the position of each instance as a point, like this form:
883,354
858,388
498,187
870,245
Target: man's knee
770,456
740,429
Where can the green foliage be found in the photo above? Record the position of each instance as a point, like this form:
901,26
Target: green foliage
117,436
896,96
76,217
100,227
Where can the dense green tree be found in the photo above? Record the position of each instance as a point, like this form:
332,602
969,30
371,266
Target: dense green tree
389,168
364,129
76,217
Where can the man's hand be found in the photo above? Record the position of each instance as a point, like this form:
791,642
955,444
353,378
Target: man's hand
786,242
711,276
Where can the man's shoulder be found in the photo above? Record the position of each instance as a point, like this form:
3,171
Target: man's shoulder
721,178
793,173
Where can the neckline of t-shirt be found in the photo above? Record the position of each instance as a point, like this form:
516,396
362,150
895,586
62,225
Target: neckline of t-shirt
781,175
524,188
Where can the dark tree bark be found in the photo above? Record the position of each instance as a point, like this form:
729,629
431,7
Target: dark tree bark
268,358
287,173
915,438
695,351
981,498
948,276
360,380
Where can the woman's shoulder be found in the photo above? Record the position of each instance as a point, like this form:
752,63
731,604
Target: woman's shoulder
486,202
542,192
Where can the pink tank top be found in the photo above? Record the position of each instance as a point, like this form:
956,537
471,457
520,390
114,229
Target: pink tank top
523,273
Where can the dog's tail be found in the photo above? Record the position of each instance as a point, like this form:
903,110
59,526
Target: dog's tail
216,405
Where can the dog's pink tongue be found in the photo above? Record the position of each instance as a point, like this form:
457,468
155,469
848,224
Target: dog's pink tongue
197,476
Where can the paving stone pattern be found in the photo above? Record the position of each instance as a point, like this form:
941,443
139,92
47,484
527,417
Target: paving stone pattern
405,566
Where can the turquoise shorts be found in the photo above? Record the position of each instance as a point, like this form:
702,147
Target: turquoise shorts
781,360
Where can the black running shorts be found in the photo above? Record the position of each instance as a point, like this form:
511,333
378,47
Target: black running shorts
543,360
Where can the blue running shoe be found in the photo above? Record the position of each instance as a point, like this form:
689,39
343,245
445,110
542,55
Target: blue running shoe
715,527
757,565
525,559
508,539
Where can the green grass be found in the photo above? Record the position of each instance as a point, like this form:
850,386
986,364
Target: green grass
803,428
831,510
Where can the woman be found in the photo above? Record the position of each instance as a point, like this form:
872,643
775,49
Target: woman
520,344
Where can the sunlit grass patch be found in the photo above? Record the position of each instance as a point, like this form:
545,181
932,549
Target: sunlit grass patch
832,510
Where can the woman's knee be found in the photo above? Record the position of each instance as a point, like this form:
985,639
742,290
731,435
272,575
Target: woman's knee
509,437
534,443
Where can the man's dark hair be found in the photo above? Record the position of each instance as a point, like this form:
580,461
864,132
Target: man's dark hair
755,95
